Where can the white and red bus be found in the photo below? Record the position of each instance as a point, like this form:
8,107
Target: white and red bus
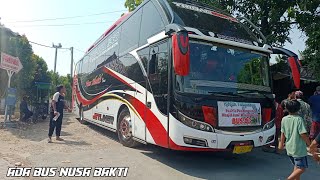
182,76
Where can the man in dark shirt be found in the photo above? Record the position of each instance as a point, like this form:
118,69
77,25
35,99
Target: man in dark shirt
25,112
57,106
314,102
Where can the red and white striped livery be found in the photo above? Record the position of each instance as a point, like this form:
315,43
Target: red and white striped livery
180,75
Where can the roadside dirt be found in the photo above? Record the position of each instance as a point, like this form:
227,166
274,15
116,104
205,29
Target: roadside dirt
21,142
91,146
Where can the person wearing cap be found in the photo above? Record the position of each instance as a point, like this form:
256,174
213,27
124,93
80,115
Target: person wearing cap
291,96
305,110
314,102
57,106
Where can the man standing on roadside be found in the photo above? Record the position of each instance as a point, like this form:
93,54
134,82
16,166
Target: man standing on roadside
314,102
57,106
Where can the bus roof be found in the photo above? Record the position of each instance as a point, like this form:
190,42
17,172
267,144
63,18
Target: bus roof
109,30
190,13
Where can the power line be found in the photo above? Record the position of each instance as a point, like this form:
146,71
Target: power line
40,44
46,45
79,50
57,25
70,17
53,47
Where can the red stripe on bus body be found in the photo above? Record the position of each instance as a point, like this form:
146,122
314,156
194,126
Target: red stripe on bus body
86,102
158,132
153,124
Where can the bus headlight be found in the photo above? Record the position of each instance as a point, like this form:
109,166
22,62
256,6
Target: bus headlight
194,123
269,125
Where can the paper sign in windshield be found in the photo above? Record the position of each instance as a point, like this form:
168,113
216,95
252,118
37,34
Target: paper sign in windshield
233,114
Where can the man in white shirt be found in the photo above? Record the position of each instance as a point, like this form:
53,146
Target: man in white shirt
57,106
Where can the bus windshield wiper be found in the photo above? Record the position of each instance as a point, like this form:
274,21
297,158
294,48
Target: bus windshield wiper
223,94
258,92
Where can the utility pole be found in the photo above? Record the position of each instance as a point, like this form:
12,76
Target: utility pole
71,67
55,58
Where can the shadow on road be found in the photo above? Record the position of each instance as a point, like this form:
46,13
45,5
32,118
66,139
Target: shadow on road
104,132
221,165
35,132
73,143
224,165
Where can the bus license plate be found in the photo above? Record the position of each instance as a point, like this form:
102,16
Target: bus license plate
242,149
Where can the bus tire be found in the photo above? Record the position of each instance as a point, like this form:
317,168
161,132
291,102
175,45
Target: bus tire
124,129
81,118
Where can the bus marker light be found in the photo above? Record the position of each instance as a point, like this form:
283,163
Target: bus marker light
194,124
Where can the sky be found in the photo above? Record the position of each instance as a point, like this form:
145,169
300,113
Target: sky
80,36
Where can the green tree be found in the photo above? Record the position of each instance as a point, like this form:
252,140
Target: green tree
132,4
62,80
16,45
34,67
307,16
272,17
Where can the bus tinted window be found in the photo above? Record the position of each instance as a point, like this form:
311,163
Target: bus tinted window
144,55
158,74
130,33
151,23
108,48
79,66
85,65
206,20
132,69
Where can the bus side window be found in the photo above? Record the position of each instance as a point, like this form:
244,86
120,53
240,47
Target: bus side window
158,75
151,23
152,64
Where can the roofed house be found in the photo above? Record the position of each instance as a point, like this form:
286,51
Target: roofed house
282,84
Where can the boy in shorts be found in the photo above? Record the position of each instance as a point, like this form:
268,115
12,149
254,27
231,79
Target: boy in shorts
294,137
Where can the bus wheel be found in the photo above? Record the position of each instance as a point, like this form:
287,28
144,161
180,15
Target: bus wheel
81,118
125,129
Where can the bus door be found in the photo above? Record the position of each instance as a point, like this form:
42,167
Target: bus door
157,86
293,62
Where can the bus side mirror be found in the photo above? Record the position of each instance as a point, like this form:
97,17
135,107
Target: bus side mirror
181,53
295,65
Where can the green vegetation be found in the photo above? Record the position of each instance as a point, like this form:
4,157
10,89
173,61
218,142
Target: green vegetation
34,70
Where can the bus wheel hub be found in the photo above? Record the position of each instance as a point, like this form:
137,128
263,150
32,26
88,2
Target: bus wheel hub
126,127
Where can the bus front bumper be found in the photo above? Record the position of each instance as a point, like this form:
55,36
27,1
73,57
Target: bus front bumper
185,138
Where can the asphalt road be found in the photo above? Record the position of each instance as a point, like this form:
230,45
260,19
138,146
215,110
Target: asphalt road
91,146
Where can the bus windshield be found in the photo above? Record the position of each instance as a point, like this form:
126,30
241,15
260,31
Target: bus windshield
218,68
